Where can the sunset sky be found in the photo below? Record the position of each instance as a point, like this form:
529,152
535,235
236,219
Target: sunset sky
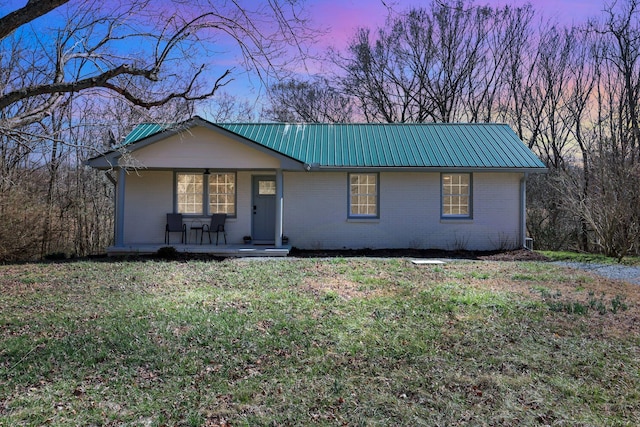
344,16
340,19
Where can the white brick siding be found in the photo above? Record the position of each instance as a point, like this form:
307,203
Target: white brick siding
148,199
316,211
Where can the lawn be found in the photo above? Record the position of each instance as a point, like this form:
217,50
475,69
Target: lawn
338,342
590,258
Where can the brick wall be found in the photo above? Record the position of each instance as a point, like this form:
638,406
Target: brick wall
316,213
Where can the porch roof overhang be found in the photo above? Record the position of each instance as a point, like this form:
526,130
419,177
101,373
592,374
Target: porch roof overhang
116,158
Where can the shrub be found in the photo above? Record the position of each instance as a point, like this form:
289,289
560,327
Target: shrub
167,252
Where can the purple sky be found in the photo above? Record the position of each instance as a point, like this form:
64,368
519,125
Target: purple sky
342,17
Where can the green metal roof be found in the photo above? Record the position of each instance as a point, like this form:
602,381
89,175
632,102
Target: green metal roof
402,145
394,145
142,131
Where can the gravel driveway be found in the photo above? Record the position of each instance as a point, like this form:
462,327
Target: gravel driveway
620,272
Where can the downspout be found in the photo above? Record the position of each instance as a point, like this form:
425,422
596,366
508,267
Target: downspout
523,210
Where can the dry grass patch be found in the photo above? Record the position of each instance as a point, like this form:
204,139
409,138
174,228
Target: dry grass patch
315,342
614,304
344,288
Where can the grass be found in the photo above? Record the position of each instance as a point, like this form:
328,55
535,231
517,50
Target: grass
589,258
358,342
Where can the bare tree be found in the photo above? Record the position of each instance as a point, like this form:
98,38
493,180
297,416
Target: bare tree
315,101
611,209
546,115
383,94
226,108
444,63
32,10
488,80
622,32
115,47
521,54
67,65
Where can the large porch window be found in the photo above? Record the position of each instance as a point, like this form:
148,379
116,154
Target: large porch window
206,193
222,193
189,192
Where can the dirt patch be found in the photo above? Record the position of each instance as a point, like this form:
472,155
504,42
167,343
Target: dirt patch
346,289
516,255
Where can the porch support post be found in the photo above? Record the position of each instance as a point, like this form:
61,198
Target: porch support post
119,226
279,207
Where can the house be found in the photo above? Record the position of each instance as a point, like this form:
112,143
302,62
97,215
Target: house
324,186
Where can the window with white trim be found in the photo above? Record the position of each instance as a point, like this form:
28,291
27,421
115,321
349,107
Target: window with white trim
363,195
206,194
456,195
222,193
189,192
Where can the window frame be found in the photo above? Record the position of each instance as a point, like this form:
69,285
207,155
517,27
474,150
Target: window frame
235,193
176,193
351,215
206,209
469,196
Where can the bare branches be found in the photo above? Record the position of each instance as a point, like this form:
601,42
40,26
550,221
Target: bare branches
186,94
113,49
32,10
439,64
621,28
315,101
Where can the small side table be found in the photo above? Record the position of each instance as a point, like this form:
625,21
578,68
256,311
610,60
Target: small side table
197,228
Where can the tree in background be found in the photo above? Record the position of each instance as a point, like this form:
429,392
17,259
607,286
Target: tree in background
66,65
571,94
112,48
444,63
313,101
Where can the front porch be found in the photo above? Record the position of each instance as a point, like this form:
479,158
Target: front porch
214,250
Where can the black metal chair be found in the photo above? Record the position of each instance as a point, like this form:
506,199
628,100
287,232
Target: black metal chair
175,225
216,226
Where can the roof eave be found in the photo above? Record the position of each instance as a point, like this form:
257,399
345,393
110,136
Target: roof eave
463,169
104,161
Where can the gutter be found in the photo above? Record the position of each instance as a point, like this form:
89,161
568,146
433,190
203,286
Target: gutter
315,167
